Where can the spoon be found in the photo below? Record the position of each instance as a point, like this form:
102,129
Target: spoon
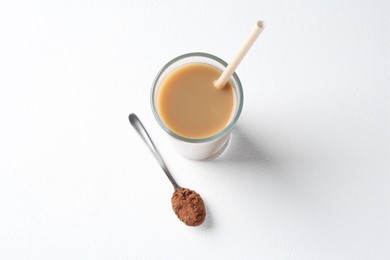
187,204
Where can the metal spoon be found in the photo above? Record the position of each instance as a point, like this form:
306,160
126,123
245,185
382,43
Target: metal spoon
139,127
187,204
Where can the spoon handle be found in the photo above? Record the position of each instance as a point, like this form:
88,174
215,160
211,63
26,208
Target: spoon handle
138,126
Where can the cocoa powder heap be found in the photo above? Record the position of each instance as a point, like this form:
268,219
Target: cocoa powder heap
188,207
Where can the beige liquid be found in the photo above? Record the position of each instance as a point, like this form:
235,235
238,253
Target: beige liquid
190,105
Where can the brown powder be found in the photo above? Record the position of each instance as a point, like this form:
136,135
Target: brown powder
188,206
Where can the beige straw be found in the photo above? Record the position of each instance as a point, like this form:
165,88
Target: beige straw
227,73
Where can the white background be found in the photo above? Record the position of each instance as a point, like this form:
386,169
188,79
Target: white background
306,175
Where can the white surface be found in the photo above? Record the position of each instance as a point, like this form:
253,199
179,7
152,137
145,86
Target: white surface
307,172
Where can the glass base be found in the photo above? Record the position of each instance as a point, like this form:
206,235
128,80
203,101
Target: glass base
221,151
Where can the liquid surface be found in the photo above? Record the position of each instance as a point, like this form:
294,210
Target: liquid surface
190,105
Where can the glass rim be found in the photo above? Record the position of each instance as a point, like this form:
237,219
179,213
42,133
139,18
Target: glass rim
237,87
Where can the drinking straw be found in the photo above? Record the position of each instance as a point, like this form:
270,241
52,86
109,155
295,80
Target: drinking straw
246,45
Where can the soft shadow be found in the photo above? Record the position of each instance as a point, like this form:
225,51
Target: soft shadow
208,222
243,150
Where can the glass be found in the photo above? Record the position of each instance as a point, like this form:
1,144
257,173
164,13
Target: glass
203,148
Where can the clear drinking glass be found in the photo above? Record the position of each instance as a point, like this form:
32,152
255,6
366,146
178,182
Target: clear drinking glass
203,148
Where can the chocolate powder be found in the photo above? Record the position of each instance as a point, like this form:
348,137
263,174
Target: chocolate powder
188,206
